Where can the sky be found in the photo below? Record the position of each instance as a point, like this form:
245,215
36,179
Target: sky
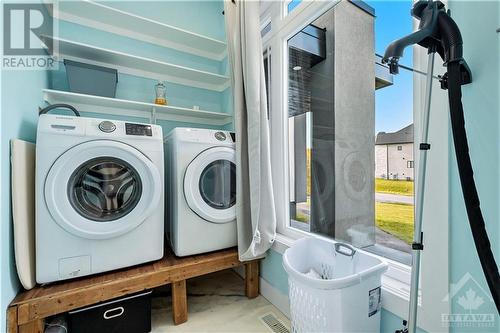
393,104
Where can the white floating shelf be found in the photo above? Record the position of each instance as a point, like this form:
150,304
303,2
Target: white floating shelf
121,107
140,66
97,15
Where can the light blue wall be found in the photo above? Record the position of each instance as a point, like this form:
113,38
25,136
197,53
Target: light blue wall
21,95
195,16
271,270
481,102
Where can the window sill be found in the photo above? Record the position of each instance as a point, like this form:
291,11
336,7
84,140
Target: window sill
395,293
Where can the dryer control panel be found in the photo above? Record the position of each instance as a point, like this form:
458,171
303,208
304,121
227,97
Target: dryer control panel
206,136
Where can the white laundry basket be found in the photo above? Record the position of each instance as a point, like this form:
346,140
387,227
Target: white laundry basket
333,288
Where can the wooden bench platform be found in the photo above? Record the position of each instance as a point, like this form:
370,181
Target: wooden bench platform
26,313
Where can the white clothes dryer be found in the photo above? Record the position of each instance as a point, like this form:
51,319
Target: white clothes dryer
201,190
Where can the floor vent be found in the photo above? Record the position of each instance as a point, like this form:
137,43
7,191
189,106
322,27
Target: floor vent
274,324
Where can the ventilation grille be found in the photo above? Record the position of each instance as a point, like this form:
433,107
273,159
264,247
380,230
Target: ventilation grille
274,324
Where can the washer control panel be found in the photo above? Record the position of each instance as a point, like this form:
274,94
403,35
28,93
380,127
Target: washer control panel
138,129
107,126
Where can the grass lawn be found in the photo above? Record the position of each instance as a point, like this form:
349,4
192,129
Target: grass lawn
402,187
396,219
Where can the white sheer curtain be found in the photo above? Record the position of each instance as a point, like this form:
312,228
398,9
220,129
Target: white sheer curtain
256,216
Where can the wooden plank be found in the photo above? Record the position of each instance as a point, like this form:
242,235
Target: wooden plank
42,302
23,311
12,319
252,279
179,302
35,326
168,263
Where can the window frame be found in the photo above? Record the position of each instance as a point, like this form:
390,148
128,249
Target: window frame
395,283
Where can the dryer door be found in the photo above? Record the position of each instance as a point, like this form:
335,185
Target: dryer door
102,189
210,185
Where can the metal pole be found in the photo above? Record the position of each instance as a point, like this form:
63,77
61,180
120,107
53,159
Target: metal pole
418,236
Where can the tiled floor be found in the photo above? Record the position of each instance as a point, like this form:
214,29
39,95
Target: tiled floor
217,303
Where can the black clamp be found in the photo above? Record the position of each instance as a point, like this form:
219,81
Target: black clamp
465,75
417,246
425,146
393,66
443,79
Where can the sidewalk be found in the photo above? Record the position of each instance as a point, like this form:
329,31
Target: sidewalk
394,198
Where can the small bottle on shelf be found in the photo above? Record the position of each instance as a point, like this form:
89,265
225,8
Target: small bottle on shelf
161,93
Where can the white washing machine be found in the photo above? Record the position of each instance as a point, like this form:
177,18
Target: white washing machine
201,195
99,196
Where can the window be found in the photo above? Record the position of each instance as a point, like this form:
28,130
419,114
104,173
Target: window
329,162
292,4
297,124
330,178
266,29
308,175
409,164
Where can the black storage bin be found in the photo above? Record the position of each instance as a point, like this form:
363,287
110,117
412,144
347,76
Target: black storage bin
130,314
90,79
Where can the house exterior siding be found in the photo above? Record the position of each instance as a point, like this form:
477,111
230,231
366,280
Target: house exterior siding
394,163
381,161
394,154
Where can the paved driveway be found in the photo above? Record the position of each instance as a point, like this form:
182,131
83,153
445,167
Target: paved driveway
394,198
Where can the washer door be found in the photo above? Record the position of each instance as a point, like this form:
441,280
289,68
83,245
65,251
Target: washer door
210,185
102,189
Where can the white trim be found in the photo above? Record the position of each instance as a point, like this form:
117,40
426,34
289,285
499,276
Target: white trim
116,106
275,297
99,16
434,271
